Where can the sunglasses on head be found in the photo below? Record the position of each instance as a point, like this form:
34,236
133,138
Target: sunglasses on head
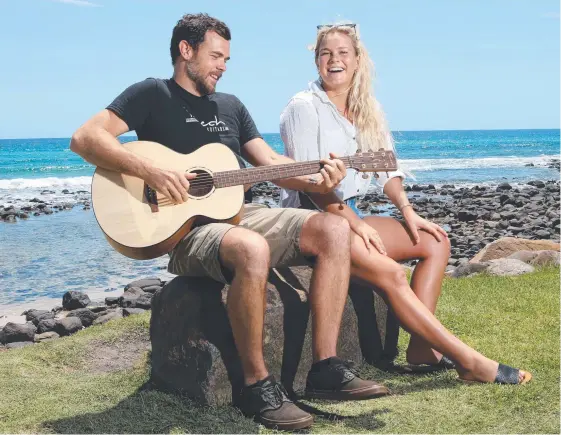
330,26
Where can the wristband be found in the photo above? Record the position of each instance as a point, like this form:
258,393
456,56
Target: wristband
405,205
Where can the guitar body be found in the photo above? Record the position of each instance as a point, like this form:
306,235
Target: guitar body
143,227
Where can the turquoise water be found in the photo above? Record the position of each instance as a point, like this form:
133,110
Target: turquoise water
433,156
45,256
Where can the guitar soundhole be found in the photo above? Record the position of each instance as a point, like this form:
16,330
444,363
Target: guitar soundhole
202,185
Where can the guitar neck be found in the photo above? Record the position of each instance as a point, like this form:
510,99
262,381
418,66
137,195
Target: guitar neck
269,173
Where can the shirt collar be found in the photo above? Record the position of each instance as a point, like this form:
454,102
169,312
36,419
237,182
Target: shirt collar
316,88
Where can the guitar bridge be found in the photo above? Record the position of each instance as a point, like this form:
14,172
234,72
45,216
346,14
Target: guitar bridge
151,197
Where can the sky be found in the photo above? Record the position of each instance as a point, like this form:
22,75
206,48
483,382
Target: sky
440,65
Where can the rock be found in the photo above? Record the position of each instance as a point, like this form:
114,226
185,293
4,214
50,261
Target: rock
14,332
536,183
147,282
543,234
18,344
152,288
68,325
467,269
98,310
31,315
506,246
57,309
46,325
107,317
46,336
467,215
143,300
538,258
193,350
110,301
131,311
133,291
504,186
75,299
85,315
508,267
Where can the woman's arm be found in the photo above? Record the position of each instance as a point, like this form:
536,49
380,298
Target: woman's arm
394,191
299,131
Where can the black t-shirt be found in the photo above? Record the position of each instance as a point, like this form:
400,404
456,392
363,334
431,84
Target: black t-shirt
162,111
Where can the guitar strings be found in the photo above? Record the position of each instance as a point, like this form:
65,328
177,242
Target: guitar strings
205,179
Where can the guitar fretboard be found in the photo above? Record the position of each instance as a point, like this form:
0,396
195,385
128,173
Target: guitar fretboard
269,173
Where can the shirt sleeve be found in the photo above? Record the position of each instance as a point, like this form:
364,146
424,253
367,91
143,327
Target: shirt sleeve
248,129
134,103
384,177
299,130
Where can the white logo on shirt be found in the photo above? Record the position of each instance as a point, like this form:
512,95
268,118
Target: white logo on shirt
215,125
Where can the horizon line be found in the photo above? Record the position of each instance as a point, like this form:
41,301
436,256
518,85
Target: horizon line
393,132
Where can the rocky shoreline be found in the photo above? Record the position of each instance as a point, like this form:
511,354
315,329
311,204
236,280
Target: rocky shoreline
46,203
76,313
473,216
505,257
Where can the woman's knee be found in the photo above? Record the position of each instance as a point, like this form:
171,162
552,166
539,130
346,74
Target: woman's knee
394,279
434,248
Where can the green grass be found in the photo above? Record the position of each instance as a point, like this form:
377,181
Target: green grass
57,386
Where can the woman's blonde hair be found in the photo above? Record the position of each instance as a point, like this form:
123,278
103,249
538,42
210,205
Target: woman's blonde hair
373,132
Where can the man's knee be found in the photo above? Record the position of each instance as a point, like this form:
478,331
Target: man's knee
243,249
326,230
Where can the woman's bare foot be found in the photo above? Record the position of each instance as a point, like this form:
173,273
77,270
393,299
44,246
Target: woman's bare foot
485,371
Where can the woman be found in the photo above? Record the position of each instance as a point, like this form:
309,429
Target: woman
338,114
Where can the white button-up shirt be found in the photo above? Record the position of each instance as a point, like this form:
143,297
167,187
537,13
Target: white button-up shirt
311,127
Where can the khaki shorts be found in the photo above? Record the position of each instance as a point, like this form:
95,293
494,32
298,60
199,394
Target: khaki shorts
198,253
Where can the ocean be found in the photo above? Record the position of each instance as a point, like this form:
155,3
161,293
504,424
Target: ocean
43,257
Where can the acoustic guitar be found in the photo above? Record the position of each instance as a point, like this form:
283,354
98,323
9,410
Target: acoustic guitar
141,223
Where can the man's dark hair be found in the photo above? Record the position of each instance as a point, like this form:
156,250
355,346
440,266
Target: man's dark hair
192,28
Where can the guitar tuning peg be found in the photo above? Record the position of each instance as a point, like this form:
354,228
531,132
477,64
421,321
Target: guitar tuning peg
365,176
376,175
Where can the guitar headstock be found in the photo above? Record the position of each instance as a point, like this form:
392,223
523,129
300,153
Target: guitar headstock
374,161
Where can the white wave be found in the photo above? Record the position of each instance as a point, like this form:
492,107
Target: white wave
51,182
487,162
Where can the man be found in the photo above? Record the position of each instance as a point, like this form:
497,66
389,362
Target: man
184,113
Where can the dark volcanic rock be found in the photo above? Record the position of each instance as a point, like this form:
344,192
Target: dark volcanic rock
68,325
14,332
193,350
75,299
85,315
46,325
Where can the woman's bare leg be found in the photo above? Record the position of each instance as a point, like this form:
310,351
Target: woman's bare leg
414,316
426,280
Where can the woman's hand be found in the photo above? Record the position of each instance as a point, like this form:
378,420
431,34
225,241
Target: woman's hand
370,236
415,223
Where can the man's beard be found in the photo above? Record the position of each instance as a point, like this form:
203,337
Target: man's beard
194,74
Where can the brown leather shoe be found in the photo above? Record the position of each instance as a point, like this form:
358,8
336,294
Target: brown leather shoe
268,403
335,379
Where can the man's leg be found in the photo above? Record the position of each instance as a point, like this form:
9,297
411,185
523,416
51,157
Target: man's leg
209,251
246,254
327,238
